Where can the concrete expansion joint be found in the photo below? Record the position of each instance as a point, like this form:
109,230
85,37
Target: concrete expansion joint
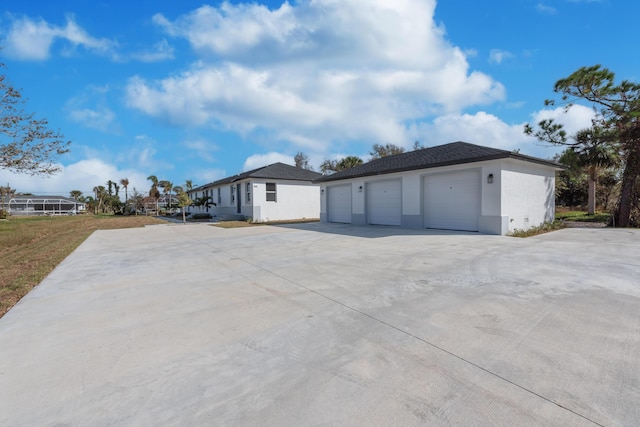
412,335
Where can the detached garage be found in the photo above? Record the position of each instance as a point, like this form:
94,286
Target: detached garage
457,186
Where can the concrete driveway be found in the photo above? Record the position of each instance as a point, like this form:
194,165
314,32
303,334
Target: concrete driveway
329,325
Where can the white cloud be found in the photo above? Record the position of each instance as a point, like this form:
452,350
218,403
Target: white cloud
259,160
83,175
480,128
31,39
102,119
90,110
202,149
315,74
545,8
205,176
577,118
496,56
161,51
487,129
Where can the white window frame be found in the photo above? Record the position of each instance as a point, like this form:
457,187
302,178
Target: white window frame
273,192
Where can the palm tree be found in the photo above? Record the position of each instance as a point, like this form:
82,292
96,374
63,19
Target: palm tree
154,192
100,193
110,186
75,194
204,201
592,155
167,188
125,183
349,162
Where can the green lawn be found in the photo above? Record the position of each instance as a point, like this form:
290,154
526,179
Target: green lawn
582,216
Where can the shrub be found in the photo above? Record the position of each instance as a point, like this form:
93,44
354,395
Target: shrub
542,228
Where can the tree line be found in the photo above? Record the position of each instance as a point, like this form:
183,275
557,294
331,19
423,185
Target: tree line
609,148
378,151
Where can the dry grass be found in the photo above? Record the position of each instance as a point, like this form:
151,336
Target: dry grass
235,224
32,247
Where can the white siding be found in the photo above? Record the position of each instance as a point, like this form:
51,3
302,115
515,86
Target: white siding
294,200
528,194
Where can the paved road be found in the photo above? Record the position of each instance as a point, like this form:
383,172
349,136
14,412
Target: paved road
329,325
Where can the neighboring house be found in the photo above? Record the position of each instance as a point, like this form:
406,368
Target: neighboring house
270,193
457,186
44,205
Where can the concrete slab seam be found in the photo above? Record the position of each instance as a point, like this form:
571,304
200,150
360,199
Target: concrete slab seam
407,333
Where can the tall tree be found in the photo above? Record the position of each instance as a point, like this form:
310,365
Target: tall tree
378,151
136,200
27,145
75,194
125,183
167,188
101,195
302,161
592,156
616,124
153,191
417,145
184,201
338,165
349,162
5,192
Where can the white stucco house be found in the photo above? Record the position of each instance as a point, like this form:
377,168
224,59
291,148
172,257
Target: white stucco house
271,193
456,186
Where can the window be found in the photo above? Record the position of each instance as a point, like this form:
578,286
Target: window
271,192
231,192
219,196
248,192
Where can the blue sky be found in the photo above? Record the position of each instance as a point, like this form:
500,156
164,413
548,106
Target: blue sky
192,90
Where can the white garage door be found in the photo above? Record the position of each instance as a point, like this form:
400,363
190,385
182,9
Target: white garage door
384,202
339,203
453,200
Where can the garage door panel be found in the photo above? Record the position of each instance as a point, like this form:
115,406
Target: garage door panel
384,202
339,204
453,201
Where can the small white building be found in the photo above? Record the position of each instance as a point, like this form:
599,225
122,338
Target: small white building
275,192
457,186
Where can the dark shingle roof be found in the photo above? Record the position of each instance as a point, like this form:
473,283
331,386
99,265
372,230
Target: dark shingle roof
441,155
273,171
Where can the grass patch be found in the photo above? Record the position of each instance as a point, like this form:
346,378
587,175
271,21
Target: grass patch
31,247
541,229
582,216
249,223
235,224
